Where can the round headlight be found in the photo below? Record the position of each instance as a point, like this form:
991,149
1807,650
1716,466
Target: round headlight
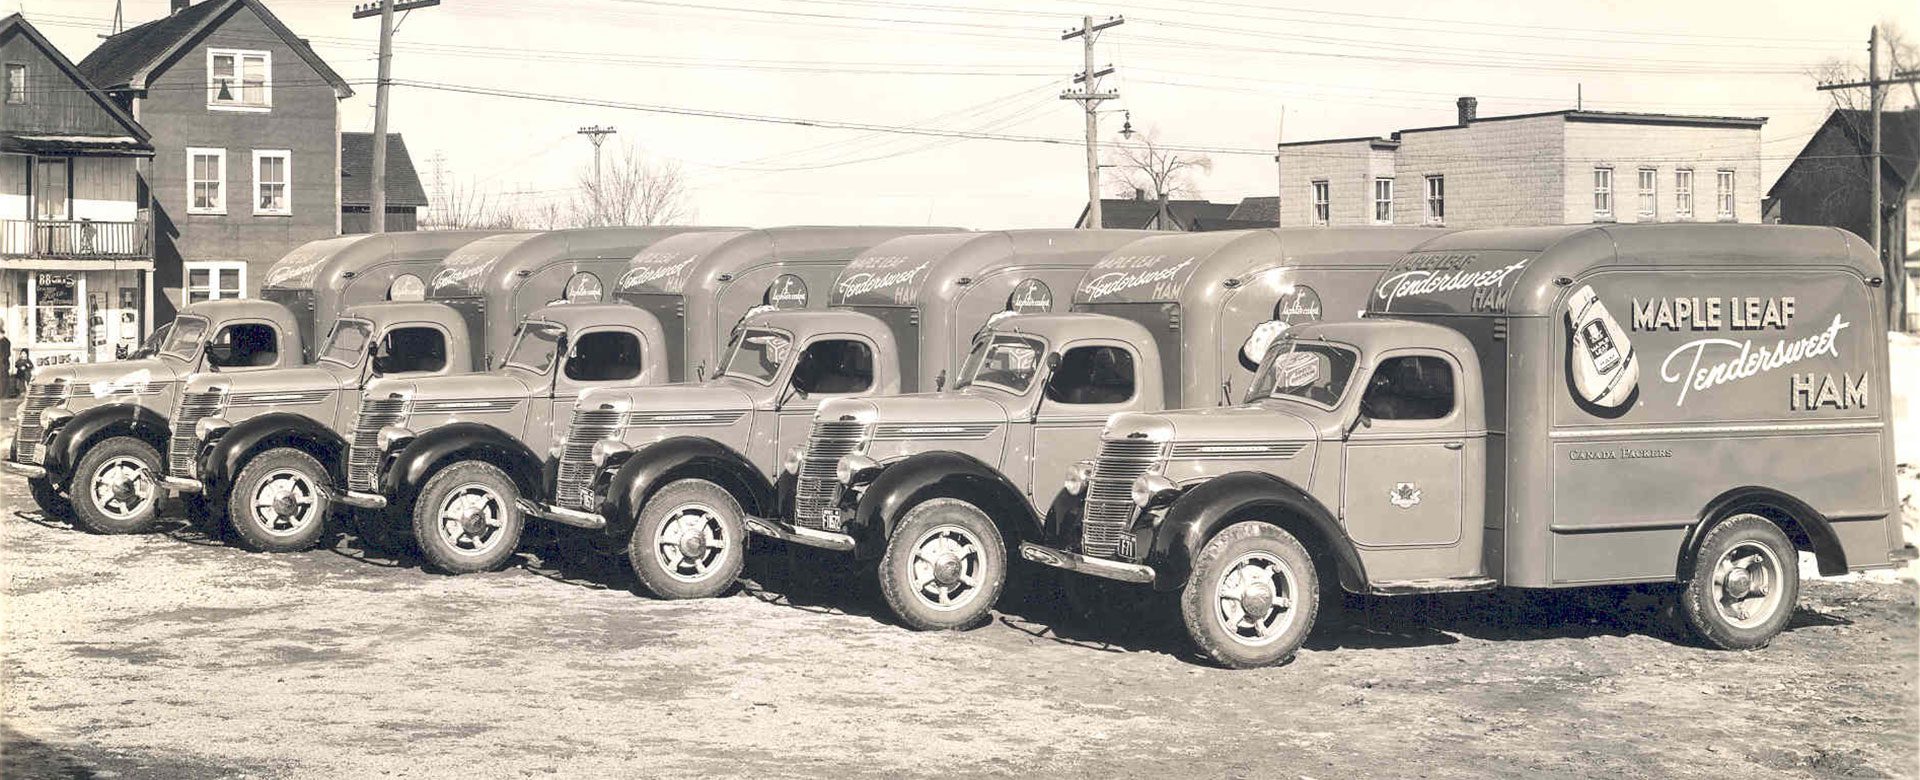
1077,476
207,427
605,449
1151,486
852,467
393,436
791,463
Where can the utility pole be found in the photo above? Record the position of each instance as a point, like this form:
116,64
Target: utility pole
385,10
1896,271
597,135
1279,173
1090,97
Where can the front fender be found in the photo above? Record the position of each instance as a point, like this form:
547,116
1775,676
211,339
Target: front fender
80,431
221,461
1204,510
936,474
681,457
416,462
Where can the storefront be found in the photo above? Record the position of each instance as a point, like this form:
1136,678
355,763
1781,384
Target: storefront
76,261
68,314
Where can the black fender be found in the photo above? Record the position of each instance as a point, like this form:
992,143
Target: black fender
682,457
415,463
939,474
1807,527
1207,508
221,461
77,433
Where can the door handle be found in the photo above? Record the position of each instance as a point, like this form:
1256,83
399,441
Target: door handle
1454,445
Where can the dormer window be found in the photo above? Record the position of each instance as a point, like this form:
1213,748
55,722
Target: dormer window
239,80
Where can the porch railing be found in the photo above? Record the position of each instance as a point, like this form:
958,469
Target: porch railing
76,238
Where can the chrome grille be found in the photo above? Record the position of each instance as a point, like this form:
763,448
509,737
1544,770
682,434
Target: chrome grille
816,487
363,453
1110,511
573,485
40,397
192,408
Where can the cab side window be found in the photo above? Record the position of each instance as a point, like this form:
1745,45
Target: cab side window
412,349
243,346
1413,387
1092,375
835,366
604,356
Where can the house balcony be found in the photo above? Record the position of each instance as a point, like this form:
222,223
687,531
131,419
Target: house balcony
77,239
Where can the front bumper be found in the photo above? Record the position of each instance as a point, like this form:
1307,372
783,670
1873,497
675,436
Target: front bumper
1075,562
561,515
1906,553
357,500
27,470
183,485
825,540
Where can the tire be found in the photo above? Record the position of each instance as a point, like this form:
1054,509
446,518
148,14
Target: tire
465,520
115,489
279,502
944,567
52,504
1744,582
690,541
1226,629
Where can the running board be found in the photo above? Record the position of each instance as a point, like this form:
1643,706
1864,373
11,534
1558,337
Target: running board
1452,585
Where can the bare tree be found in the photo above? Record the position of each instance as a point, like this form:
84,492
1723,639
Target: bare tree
1848,160
464,206
1142,165
634,189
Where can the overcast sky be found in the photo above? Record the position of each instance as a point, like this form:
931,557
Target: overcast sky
1212,73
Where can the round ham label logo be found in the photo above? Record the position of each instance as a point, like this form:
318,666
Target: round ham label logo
1031,296
787,292
584,288
1297,305
407,287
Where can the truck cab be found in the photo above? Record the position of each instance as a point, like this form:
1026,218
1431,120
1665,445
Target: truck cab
934,489
1536,407
265,447
89,436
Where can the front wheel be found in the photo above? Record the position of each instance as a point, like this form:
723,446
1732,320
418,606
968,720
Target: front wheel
690,541
53,504
279,502
465,520
1744,583
114,490
944,567
1252,596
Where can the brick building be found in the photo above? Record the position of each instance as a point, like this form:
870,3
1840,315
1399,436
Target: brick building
1559,167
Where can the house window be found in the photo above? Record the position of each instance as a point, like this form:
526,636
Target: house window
1723,195
1383,201
206,181
1436,200
16,83
1602,194
1649,194
239,80
52,195
216,281
1322,203
272,173
1683,194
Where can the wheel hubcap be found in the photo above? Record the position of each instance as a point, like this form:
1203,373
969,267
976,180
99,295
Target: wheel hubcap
1747,581
285,503
471,519
946,567
691,542
123,487
1255,598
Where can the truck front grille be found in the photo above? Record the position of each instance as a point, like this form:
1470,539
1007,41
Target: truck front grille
40,397
1110,511
181,449
816,488
363,452
573,485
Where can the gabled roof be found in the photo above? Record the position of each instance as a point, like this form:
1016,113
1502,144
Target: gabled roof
127,60
1138,214
14,22
356,172
1258,209
1899,135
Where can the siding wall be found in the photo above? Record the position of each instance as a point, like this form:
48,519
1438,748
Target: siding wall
55,105
1629,147
1498,173
1347,168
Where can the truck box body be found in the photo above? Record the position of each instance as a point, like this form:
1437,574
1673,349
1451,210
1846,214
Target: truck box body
319,279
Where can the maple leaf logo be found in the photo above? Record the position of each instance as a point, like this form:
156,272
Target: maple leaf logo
1404,495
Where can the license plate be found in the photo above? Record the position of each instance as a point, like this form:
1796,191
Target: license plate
831,518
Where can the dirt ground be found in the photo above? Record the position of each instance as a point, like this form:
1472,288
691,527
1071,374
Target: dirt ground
175,655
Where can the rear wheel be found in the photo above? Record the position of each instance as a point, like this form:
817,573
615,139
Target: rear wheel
279,503
114,490
465,520
53,504
1744,583
690,541
944,567
1252,596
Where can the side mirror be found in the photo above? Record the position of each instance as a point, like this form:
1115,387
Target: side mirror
1053,361
1359,419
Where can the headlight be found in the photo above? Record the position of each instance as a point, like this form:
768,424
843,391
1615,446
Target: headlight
605,449
852,468
791,463
1149,487
209,427
393,436
53,416
1077,476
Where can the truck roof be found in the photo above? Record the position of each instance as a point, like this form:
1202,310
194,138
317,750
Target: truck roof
1525,263
573,315
815,320
1064,326
1193,268
1371,336
395,311
673,265
243,308
327,262
496,262
910,268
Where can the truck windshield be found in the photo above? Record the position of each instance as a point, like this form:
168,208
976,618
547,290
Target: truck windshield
757,355
1004,362
348,342
1315,372
535,346
189,333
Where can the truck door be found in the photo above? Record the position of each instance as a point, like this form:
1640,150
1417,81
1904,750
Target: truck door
837,366
1404,484
1094,379
596,357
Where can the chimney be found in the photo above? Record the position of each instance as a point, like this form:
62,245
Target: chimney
1469,108
1139,193
181,5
